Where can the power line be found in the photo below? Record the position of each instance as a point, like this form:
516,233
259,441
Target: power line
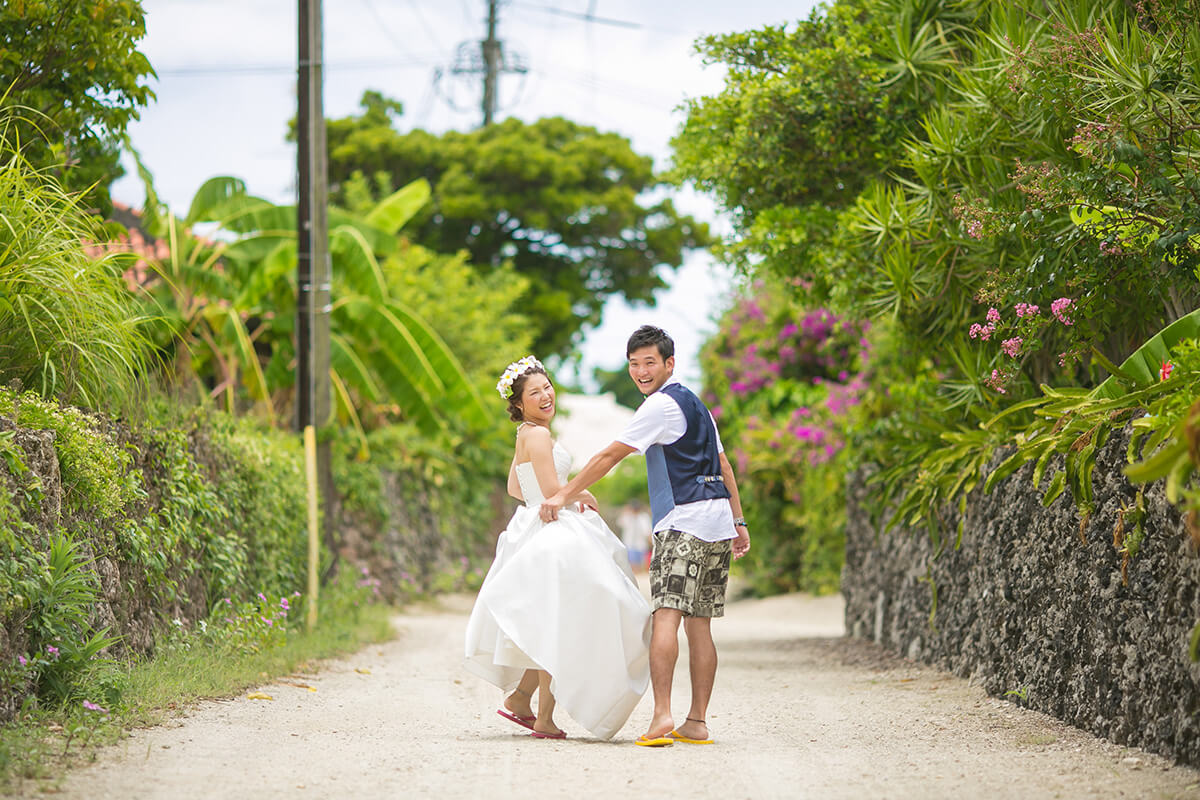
586,17
424,24
425,60
390,35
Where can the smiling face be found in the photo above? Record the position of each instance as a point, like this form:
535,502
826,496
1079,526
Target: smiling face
649,369
537,399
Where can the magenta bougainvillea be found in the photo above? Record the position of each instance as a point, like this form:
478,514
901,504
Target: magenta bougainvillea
783,383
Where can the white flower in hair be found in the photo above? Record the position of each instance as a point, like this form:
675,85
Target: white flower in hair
514,371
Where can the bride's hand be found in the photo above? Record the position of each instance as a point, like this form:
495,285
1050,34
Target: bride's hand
549,510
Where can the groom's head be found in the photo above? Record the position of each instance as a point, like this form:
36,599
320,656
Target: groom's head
651,354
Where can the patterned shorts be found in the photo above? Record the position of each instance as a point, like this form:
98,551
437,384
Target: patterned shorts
689,574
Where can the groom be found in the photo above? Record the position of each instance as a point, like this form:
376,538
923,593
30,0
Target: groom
693,502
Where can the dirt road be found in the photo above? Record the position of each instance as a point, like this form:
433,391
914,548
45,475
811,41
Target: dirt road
798,712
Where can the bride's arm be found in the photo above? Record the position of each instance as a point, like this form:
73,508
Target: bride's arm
539,446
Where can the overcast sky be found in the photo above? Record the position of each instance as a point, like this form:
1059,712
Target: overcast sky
226,90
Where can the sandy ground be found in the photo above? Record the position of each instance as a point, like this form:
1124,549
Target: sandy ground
798,712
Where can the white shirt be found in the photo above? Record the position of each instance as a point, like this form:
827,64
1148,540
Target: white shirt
660,420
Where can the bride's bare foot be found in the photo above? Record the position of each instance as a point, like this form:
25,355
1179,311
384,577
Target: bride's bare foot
549,729
519,704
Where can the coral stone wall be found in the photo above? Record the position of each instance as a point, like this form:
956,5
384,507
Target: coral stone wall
1035,607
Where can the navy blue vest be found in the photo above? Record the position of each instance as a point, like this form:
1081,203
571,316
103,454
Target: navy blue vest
688,469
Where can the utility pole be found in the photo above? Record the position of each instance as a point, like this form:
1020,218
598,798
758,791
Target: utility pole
313,280
487,58
491,64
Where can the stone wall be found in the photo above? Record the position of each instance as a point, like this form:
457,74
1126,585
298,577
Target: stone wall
1035,607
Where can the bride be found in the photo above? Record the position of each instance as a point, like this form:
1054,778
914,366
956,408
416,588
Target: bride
559,610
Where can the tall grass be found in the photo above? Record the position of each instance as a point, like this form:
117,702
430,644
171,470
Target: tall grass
68,326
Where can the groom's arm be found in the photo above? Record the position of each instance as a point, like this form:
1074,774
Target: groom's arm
597,467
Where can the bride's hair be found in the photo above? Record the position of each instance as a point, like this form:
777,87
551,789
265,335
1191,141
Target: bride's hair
518,386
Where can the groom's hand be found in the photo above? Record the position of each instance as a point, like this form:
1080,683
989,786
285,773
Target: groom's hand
741,545
549,510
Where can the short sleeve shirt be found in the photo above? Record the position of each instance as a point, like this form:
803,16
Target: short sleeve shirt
660,420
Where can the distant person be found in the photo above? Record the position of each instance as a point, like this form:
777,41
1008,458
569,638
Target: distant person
559,602
698,526
635,524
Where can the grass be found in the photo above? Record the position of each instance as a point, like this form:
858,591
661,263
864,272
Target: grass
38,747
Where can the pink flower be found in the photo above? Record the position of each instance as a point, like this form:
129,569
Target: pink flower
1012,346
93,707
52,650
1026,310
1062,308
23,661
982,332
1165,370
993,315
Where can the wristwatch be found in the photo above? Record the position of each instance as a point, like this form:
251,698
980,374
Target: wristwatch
740,522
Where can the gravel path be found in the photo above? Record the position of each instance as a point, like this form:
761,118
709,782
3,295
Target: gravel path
798,712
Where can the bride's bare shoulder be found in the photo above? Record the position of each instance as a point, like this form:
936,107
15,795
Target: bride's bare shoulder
534,434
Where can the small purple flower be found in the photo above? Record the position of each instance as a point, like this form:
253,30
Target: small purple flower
23,661
283,603
262,597
52,650
93,707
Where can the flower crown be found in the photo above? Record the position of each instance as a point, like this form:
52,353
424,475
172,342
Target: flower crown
514,371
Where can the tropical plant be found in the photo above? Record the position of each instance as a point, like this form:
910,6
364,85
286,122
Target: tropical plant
1012,203
68,326
230,308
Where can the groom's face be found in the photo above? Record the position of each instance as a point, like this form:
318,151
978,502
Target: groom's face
649,370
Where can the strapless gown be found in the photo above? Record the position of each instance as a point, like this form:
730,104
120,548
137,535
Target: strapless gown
560,596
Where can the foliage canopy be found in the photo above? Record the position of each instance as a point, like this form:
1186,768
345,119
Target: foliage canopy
74,68
572,209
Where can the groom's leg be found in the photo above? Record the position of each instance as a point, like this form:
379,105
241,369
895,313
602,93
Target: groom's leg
702,667
664,652
712,561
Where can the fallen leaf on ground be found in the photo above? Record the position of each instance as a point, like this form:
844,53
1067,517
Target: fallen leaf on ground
362,671
259,696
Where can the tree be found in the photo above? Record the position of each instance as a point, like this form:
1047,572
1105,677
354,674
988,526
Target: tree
574,210
616,382
74,69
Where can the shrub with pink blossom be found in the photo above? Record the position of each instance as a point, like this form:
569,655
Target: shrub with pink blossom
783,382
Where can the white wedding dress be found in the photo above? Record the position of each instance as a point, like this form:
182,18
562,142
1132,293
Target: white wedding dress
560,596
